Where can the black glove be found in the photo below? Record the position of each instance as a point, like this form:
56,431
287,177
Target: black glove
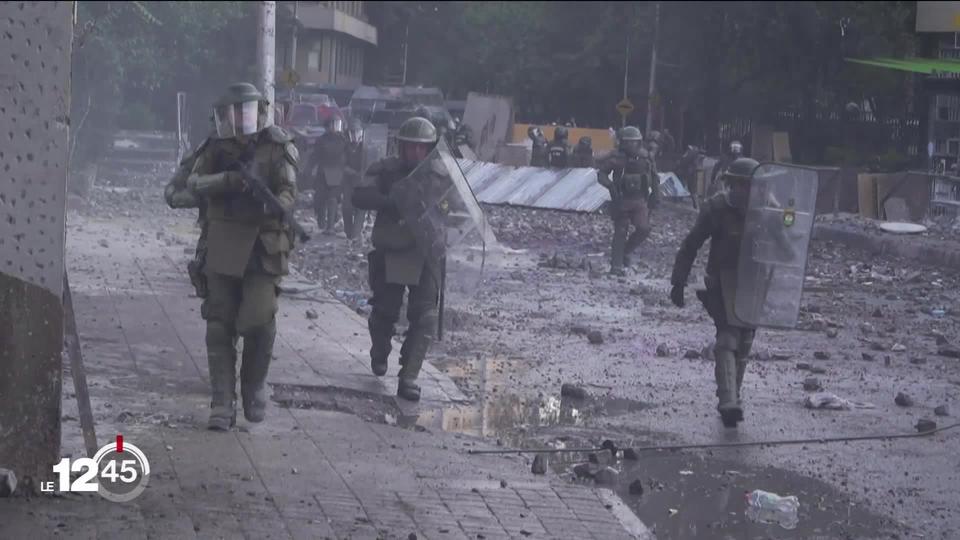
676,295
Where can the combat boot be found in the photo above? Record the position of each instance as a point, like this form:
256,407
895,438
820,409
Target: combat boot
257,353
725,372
381,343
414,350
221,360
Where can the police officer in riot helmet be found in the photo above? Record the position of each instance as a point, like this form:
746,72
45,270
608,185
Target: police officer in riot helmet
396,265
327,164
633,191
583,153
558,154
538,152
722,219
247,248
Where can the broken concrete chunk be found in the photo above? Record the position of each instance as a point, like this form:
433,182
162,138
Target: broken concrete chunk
662,350
572,391
948,351
607,476
942,410
898,347
312,314
539,464
595,337
812,384
867,357
925,424
817,370
821,355
832,332
918,361
8,483
691,354
903,400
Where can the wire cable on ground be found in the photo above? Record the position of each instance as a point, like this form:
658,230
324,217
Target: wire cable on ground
611,446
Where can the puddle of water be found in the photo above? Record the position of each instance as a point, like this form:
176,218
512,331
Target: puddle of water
709,496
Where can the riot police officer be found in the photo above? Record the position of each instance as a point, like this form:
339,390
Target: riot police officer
558,155
633,191
248,248
396,265
583,153
538,152
326,166
735,151
722,219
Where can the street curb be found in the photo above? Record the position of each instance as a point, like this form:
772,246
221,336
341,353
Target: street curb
923,251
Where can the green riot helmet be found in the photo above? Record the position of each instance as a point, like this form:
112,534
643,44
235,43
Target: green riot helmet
335,124
630,138
560,134
736,148
237,112
416,138
737,179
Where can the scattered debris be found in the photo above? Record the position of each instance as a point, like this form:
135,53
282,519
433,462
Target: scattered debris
539,464
878,313
918,361
832,332
8,483
767,507
897,347
663,350
390,419
942,410
572,391
925,424
821,355
826,400
103,243
579,329
812,384
312,314
503,483
686,473
692,354
817,370
607,476
672,511
595,337
803,366
903,400
948,351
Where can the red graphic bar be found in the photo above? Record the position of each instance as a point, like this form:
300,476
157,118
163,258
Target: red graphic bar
119,444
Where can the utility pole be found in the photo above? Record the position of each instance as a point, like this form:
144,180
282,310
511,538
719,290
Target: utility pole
406,41
653,67
626,75
266,51
293,38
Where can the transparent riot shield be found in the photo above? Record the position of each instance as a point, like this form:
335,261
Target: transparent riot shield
773,249
374,146
447,221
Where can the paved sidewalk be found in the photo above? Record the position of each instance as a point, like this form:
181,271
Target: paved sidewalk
305,472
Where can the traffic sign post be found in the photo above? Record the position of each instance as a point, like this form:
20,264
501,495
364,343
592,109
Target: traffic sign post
291,78
624,108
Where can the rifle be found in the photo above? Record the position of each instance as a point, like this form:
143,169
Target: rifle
263,194
442,298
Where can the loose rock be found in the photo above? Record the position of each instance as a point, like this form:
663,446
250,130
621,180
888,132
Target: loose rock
595,337
572,391
607,476
949,352
942,410
903,400
636,487
803,366
812,384
897,347
821,355
8,482
539,465
579,329
878,313
662,350
918,361
691,354
817,370
832,332
867,357
312,314
926,424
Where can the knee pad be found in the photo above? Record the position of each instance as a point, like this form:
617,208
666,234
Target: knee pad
745,344
726,342
423,321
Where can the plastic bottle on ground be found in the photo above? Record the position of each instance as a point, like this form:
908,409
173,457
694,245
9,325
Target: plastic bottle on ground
766,507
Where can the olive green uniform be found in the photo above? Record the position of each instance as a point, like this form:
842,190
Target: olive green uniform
396,265
327,164
178,195
353,218
247,254
723,225
633,190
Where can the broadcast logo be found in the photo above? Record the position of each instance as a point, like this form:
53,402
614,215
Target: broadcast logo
119,472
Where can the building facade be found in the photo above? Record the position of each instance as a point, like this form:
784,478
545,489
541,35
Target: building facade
329,42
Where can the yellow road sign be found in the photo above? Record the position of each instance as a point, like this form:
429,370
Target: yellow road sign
625,107
291,77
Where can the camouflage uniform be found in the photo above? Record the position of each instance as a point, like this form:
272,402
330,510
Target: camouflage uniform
247,254
558,154
178,195
583,153
326,166
396,265
633,190
723,224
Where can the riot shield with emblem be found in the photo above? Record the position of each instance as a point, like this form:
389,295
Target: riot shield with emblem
437,203
773,249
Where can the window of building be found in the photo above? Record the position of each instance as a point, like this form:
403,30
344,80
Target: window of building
314,62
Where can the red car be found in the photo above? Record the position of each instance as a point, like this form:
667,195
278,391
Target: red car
306,118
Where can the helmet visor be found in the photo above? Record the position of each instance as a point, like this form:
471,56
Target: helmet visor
236,119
